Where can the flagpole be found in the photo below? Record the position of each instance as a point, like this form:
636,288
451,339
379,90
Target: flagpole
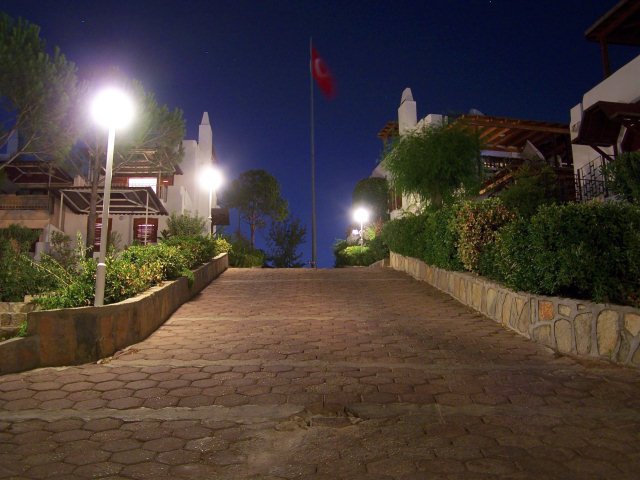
314,263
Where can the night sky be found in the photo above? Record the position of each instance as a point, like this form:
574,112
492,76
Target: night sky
247,64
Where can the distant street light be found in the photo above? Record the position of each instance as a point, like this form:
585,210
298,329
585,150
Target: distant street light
361,215
113,109
211,179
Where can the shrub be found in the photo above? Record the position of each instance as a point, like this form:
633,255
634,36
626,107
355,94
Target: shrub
477,224
196,248
430,236
18,275
172,259
586,250
184,225
354,255
242,254
73,289
535,184
623,176
441,238
125,279
405,235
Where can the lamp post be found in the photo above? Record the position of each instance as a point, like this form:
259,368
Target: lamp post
111,108
361,215
211,179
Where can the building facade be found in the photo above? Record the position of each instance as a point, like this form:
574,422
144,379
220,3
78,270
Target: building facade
40,196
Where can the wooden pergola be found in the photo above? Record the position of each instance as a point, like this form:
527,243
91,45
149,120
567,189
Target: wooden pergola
619,26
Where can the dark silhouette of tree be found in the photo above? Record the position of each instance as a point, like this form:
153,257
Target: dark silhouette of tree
284,239
256,195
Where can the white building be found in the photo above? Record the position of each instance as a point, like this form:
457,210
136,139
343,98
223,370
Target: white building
143,194
505,143
607,120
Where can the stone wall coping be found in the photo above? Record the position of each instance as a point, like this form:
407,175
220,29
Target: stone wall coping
84,334
582,328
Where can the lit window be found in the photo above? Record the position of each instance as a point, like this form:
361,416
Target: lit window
144,182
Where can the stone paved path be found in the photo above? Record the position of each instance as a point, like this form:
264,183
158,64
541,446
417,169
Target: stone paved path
332,374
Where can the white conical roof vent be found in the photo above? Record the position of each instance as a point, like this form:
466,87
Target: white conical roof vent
406,96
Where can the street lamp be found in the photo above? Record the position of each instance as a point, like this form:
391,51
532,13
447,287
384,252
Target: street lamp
361,215
211,179
113,109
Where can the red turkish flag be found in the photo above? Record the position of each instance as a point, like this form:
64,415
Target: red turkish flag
322,75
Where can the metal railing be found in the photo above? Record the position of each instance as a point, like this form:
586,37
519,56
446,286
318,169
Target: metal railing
24,202
590,181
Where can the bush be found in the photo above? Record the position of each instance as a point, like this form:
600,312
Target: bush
196,248
406,235
535,184
476,225
586,250
354,256
623,176
18,275
184,225
430,236
129,273
172,259
242,255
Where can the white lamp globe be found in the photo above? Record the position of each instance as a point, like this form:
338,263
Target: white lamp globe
112,108
361,215
210,178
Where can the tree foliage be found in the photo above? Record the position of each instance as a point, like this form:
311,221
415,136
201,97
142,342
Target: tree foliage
39,93
623,176
434,162
284,239
183,225
155,134
374,193
535,184
256,195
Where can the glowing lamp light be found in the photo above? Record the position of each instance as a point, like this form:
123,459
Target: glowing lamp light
112,108
361,215
210,178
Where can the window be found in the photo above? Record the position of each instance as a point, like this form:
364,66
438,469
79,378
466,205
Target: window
144,182
98,232
145,230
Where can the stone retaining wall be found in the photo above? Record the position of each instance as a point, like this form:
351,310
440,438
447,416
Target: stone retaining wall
79,335
12,314
575,327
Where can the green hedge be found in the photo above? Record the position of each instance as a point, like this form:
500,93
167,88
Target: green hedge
129,273
587,250
360,256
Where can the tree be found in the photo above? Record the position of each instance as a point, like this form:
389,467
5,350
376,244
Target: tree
39,94
155,135
256,195
535,184
623,176
373,192
284,239
434,162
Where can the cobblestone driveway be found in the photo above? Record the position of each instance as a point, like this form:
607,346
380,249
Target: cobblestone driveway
329,374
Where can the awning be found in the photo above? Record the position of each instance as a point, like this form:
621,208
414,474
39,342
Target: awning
124,200
601,123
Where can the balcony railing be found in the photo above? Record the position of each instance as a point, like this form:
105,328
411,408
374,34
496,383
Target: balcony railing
590,181
24,202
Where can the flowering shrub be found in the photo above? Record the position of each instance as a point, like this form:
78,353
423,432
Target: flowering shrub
477,224
579,250
129,273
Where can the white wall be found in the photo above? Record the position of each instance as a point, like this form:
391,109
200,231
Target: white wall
622,86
